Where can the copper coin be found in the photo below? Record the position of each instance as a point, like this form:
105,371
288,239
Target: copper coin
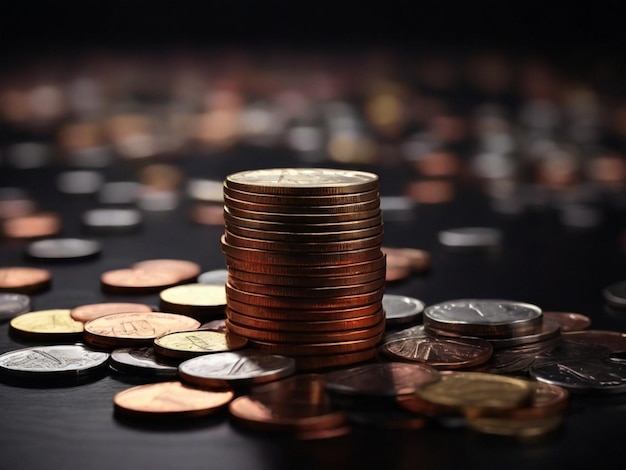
316,349
171,399
54,324
238,368
134,328
614,340
289,314
187,344
24,280
547,330
301,208
186,270
301,226
270,199
317,293
302,218
332,361
615,294
348,269
417,260
294,404
85,313
130,281
305,337
303,326
304,302
569,321
441,353
302,181
304,237
517,360
42,224
583,376
303,247
388,379
305,281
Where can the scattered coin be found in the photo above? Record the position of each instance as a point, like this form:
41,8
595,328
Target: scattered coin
470,237
57,249
615,294
214,325
170,399
188,344
43,224
194,299
569,321
119,192
141,362
187,271
401,309
54,324
522,428
85,313
12,305
24,280
418,260
583,376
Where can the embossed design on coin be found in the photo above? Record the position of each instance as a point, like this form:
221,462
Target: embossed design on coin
55,323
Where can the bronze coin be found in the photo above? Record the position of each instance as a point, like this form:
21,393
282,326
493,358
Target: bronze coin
302,226
304,237
42,224
569,321
289,314
348,269
302,181
546,330
614,340
303,247
170,399
302,218
271,199
440,353
289,209
332,361
318,293
305,281
85,313
134,328
304,303
23,280
306,325
131,281
305,337
316,349
416,260
187,270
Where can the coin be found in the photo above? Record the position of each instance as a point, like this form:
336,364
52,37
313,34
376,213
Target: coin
316,349
306,281
270,199
187,271
141,361
194,299
214,325
130,281
304,314
302,181
470,237
546,330
134,328
12,305
85,313
170,399
418,260
318,293
388,379
305,237
440,353
400,309
416,331
63,249
217,276
583,376
483,318
517,360
56,361
112,220
239,368
615,294
614,340
42,224
572,350
569,321
24,280
332,361
523,428
187,344
56,324
303,218
207,214
293,404
301,208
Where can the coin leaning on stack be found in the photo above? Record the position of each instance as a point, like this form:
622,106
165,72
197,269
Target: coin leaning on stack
306,274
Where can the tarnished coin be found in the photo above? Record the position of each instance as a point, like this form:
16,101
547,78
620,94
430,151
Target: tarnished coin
450,353
130,281
142,362
85,313
614,340
43,224
54,324
569,321
24,280
470,237
517,360
57,361
388,379
401,309
235,369
302,181
615,294
583,376
63,249
187,271
416,331
484,318
170,399
12,305
187,344
217,276
134,328
194,299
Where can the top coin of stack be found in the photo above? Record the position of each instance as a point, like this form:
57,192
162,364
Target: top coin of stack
306,273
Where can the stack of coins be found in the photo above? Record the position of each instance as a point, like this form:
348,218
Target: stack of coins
306,274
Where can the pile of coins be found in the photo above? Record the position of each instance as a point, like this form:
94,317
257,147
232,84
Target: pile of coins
306,274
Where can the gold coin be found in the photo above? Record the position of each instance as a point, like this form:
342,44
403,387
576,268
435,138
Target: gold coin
170,399
134,328
186,344
194,299
53,323
515,427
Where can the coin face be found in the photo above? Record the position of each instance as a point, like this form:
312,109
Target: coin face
12,305
55,323
52,361
185,344
401,309
141,361
63,249
170,399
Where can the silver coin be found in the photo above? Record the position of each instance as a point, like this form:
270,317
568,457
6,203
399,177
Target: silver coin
615,295
584,376
102,220
470,237
401,309
63,248
482,312
235,368
568,350
56,361
217,276
141,361
12,305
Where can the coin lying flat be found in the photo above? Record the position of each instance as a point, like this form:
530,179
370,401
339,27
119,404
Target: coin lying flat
614,340
400,309
187,271
89,312
55,361
24,280
216,276
569,321
170,399
615,294
112,220
12,304
416,260
142,362
235,369
56,324
194,299
522,428
63,249
187,344
131,281
42,224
